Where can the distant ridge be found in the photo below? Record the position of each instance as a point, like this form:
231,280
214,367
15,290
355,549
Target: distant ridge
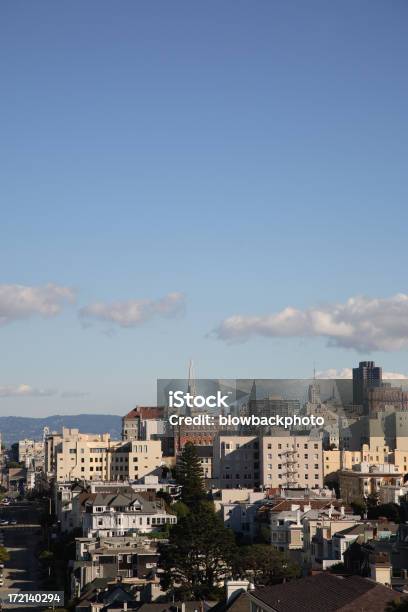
15,428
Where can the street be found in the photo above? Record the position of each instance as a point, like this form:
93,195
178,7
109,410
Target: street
21,572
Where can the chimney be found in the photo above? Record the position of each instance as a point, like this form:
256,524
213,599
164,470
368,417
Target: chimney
298,518
234,587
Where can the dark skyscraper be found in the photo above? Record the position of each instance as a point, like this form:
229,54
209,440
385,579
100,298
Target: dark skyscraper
366,375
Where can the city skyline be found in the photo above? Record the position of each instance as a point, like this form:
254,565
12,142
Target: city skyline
206,181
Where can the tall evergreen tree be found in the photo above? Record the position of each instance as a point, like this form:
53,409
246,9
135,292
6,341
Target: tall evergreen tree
189,475
200,553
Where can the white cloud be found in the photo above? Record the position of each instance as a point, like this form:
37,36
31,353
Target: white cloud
134,312
348,373
25,391
74,394
21,301
361,323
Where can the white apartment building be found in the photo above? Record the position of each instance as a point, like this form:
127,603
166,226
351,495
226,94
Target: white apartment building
118,514
31,453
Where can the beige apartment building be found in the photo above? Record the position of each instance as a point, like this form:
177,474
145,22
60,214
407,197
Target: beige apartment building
236,461
72,455
336,460
268,461
291,461
366,479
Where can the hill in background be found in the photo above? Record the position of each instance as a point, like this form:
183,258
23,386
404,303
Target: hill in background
16,428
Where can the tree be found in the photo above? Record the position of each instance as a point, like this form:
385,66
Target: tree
190,476
264,564
390,511
338,568
4,555
372,500
358,506
200,553
179,509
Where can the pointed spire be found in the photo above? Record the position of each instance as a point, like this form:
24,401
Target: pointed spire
252,395
191,387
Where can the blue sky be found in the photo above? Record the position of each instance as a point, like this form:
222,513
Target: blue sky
251,156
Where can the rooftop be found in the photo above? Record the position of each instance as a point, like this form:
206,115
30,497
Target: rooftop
326,592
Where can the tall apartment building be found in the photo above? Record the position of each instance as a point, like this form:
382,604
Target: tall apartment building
291,461
366,375
72,455
269,461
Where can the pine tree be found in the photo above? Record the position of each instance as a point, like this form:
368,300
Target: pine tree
199,555
190,476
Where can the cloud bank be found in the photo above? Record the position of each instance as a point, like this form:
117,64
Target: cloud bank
22,302
133,312
361,323
348,373
25,391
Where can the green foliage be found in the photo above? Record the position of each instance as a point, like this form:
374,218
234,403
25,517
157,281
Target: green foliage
337,568
4,555
46,557
358,506
200,554
264,564
372,500
179,509
390,511
190,476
